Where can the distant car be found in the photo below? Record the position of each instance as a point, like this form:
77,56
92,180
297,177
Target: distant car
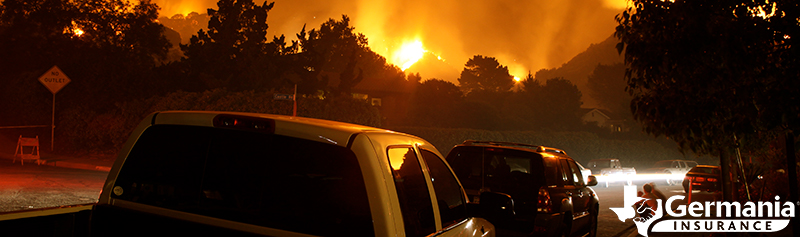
703,178
612,170
676,169
546,189
609,167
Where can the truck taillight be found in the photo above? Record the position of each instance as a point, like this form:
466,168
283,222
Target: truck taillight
711,180
544,204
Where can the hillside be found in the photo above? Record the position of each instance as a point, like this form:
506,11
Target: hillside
581,66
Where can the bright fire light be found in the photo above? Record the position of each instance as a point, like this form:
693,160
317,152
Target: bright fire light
77,32
517,79
408,54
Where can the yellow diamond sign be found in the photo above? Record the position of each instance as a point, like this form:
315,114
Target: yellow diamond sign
54,79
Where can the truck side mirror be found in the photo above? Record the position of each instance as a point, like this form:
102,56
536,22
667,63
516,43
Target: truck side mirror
496,206
592,181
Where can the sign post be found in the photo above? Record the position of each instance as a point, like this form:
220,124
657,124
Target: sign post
294,100
292,97
54,79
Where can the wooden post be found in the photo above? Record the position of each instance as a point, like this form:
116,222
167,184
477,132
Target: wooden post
294,100
725,163
53,124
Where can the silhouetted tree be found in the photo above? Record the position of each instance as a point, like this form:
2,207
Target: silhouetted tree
435,104
485,74
556,103
333,49
234,52
706,73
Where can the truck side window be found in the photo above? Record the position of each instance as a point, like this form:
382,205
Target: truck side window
452,208
412,191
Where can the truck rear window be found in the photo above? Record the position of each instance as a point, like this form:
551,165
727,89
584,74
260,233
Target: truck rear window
262,179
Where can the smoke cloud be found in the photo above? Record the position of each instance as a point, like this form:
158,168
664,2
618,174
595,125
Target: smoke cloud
526,35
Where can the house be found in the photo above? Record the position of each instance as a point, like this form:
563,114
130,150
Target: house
604,119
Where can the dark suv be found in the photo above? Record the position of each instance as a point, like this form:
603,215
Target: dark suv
545,190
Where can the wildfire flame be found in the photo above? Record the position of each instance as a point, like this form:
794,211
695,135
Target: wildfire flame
408,54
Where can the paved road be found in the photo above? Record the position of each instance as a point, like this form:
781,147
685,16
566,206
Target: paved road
608,225
32,186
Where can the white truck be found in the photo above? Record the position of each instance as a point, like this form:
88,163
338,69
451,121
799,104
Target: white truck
673,171
192,173
611,170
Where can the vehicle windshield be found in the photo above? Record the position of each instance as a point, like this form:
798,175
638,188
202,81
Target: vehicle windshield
256,178
600,164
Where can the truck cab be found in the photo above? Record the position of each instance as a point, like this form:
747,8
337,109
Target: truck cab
224,173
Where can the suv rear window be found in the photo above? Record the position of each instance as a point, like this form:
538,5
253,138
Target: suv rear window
262,179
497,165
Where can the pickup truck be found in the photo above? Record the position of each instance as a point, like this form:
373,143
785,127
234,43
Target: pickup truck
200,173
611,170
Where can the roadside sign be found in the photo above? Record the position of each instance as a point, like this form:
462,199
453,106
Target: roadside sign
54,79
292,97
283,97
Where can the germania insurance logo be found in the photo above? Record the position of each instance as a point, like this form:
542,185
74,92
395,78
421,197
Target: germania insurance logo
704,217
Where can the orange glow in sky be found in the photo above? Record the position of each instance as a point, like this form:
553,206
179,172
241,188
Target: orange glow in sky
170,8
618,4
525,36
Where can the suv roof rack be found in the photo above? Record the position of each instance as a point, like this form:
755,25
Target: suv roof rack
538,148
